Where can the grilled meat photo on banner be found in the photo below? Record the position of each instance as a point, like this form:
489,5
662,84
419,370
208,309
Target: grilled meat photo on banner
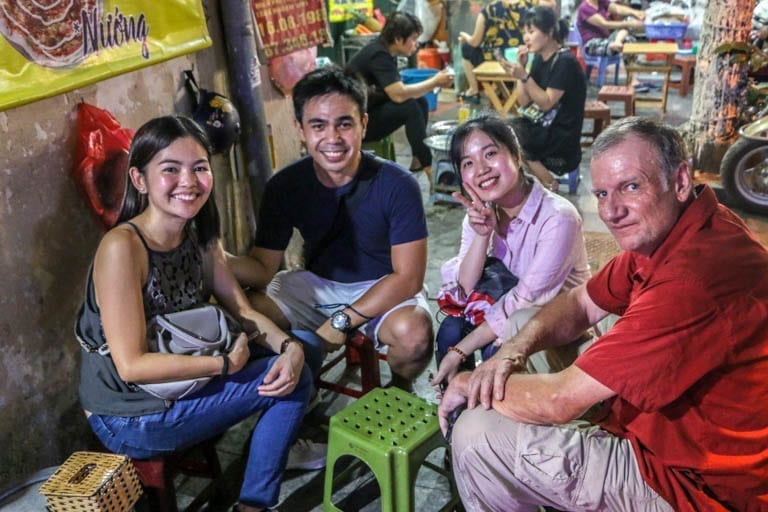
46,32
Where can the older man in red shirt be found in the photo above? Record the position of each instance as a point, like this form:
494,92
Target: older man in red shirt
680,377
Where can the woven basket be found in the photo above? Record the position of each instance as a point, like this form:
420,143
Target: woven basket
91,481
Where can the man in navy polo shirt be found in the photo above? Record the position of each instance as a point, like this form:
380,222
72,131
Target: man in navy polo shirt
364,231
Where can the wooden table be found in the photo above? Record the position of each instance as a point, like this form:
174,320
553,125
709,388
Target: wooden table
668,50
494,80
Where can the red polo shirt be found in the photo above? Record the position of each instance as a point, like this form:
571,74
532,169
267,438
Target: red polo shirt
688,360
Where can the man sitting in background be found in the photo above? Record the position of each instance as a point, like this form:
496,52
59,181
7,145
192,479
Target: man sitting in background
391,103
680,377
364,231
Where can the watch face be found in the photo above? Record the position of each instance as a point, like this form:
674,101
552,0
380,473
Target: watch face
340,321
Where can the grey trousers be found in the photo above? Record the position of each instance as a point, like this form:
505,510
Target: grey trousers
551,360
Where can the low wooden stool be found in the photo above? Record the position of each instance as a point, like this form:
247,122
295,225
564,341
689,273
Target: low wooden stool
624,93
687,64
600,114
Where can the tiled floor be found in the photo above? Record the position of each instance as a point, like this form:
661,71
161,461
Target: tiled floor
303,491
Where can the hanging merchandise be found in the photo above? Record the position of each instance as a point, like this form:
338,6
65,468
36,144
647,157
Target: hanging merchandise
340,11
430,13
101,162
215,114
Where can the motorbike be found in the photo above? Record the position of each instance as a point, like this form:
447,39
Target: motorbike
744,168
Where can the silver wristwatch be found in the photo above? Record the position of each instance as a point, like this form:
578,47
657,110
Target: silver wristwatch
341,321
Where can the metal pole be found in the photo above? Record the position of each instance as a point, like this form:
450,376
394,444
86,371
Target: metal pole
243,66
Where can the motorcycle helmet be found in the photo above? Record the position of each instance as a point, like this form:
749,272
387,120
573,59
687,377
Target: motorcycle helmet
219,118
215,114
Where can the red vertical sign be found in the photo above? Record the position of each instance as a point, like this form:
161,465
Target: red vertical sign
287,26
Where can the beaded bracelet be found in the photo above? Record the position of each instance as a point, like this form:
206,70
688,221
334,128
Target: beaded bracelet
288,341
458,351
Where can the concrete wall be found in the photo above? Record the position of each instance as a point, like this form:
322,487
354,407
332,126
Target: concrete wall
48,237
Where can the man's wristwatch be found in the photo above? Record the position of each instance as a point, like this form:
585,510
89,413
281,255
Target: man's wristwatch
341,321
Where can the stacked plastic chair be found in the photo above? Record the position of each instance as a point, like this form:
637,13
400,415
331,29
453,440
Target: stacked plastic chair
601,62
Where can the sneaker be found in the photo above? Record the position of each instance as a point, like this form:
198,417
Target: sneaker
306,454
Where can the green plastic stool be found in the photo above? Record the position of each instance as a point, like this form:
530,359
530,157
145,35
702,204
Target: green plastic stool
393,432
384,148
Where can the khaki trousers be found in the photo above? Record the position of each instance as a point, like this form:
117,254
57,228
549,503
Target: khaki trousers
506,466
503,465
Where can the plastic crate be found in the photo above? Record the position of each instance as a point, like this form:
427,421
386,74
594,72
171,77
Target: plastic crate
674,31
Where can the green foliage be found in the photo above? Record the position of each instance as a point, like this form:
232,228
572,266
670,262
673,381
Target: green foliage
756,59
757,94
741,53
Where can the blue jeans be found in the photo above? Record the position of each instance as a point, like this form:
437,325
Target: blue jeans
452,330
313,350
221,404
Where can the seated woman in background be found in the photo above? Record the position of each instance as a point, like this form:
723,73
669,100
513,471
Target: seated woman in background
497,27
601,35
160,259
552,97
536,234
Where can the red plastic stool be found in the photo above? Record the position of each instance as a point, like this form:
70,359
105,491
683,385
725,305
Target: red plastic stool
156,475
359,350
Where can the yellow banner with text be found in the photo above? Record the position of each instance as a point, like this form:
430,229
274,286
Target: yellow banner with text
49,48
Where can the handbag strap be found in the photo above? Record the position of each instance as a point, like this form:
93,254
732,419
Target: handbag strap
207,258
348,202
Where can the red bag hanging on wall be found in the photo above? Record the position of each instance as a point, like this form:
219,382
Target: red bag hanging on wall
101,162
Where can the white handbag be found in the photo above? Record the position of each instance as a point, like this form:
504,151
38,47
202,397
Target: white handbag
200,331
